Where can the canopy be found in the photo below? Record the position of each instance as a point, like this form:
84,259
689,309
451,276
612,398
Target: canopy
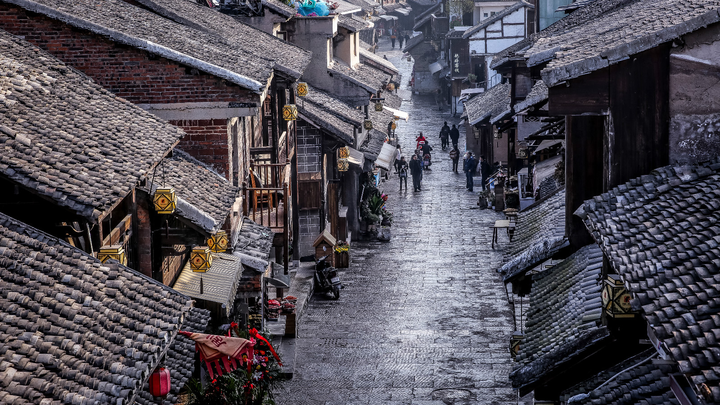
386,158
388,17
401,115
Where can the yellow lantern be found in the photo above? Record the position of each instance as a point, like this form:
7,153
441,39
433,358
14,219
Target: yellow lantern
200,259
343,165
393,126
218,242
302,89
115,252
615,298
165,200
515,340
290,112
367,124
344,152
378,107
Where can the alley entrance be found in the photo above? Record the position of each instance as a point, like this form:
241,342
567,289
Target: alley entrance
423,319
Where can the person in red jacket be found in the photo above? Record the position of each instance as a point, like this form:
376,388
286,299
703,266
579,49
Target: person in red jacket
420,141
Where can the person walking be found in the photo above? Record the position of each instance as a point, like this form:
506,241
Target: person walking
403,173
398,156
469,169
444,134
416,172
454,136
484,171
401,39
455,156
393,36
426,149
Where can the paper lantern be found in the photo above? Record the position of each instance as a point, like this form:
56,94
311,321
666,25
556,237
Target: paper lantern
165,200
393,126
200,259
159,382
515,340
378,107
615,298
343,165
344,152
115,252
302,89
218,242
290,112
367,124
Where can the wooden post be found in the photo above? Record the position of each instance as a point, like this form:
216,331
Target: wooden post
286,236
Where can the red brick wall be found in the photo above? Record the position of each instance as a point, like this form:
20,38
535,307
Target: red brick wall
137,76
208,141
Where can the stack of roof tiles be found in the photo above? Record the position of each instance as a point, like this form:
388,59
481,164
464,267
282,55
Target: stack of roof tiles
539,233
74,330
637,380
254,244
367,77
660,233
563,317
205,198
490,104
69,140
330,113
537,95
627,28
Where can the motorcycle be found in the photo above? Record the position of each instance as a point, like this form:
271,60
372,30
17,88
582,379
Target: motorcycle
326,278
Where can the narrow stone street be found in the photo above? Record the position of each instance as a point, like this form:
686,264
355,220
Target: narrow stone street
423,319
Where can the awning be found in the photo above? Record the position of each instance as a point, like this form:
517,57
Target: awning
356,157
386,158
403,11
548,144
401,115
219,283
435,67
388,17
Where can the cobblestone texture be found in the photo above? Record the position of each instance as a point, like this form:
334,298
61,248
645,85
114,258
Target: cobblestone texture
423,319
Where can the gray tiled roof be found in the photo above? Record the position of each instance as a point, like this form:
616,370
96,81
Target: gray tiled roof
392,100
614,36
253,245
330,113
205,198
540,232
367,77
280,7
68,139
582,16
246,40
646,383
246,66
660,233
497,17
373,144
425,16
575,5
537,95
75,330
178,355
488,104
351,23
378,61
564,316
413,42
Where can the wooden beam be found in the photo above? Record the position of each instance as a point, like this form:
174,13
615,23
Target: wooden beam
119,231
585,95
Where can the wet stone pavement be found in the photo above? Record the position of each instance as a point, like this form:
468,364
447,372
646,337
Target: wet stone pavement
423,319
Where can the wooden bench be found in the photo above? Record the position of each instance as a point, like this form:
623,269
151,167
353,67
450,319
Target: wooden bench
502,224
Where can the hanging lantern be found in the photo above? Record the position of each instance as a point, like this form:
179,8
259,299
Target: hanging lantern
343,165
615,298
115,252
393,126
367,124
159,382
515,340
344,152
200,259
290,112
218,242
302,89
378,107
165,200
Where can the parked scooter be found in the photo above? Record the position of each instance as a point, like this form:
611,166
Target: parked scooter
326,278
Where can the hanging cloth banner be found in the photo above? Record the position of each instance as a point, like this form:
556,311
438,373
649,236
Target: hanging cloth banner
226,353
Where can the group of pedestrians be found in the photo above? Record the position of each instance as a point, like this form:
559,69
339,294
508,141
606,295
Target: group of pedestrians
421,161
400,36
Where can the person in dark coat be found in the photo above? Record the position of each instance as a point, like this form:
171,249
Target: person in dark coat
444,134
455,156
416,172
484,171
469,168
454,136
426,149
401,38
403,172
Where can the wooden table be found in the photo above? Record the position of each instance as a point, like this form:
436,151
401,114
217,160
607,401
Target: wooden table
502,224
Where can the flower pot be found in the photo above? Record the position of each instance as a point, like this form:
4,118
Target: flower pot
384,234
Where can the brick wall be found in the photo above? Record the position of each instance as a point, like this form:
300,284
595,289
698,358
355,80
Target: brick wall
208,141
144,235
309,222
309,150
